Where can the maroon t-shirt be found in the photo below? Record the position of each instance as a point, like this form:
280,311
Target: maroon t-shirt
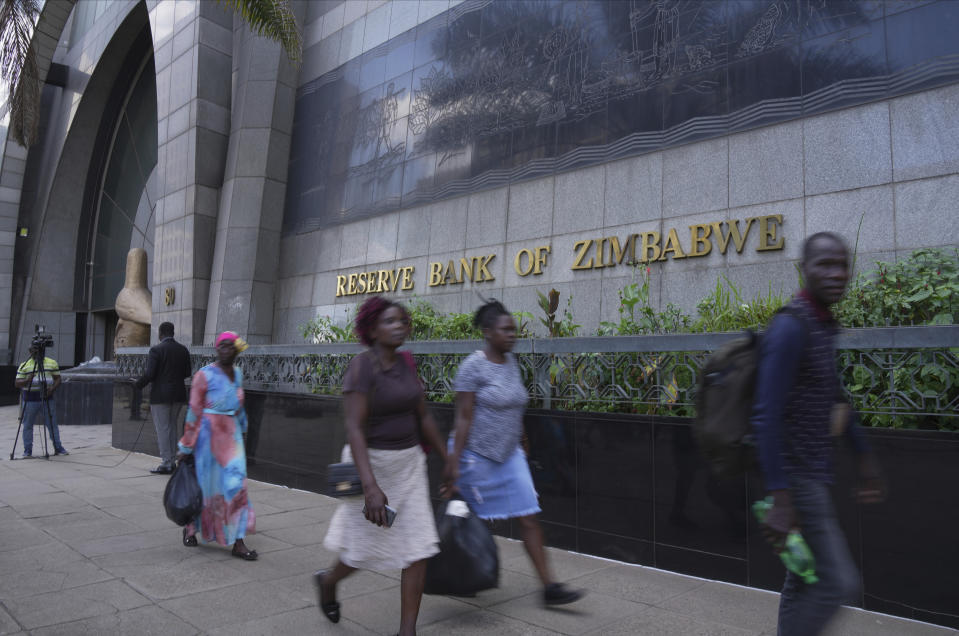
392,397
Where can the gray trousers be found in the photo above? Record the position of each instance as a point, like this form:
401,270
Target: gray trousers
166,419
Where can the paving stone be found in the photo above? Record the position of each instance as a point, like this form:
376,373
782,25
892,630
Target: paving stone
190,574
728,604
302,621
293,519
19,535
67,605
665,623
850,621
483,623
638,584
7,624
282,564
143,621
94,530
385,620
590,613
262,543
234,604
565,565
299,535
36,557
125,543
50,578
511,585
148,516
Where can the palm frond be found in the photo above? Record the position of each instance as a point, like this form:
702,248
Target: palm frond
18,67
273,19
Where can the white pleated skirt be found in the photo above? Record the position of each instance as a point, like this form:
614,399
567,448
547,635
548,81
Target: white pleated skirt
401,475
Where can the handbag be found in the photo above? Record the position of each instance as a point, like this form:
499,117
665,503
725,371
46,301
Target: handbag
343,480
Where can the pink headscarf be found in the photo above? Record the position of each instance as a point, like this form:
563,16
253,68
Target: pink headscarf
231,336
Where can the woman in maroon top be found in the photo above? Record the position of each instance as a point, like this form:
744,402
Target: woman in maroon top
386,417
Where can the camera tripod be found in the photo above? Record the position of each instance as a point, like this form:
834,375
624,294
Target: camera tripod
39,373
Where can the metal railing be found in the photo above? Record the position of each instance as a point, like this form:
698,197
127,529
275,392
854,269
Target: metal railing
909,375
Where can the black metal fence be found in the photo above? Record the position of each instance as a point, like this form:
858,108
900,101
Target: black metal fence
896,376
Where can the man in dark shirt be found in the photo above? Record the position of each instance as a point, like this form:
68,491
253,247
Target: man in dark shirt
167,367
799,412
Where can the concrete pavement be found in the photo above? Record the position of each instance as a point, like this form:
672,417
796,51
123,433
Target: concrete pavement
85,548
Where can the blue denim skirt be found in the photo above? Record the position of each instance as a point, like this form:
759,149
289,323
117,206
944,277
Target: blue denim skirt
497,490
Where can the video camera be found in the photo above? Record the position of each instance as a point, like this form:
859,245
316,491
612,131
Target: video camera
41,340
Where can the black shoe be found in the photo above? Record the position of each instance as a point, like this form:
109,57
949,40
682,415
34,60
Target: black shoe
162,470
62,451
559,594
329,608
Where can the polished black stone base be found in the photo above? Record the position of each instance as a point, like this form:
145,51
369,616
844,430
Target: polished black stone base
633,488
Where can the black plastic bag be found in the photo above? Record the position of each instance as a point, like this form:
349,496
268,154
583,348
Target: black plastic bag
468,561
183,499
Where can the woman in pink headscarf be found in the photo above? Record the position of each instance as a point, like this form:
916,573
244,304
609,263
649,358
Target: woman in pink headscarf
213,434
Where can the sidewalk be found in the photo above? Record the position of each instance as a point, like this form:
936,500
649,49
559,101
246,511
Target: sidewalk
85,548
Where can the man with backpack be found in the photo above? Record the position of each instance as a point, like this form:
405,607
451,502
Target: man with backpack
798,410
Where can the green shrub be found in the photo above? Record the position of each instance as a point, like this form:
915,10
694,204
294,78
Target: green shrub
922,289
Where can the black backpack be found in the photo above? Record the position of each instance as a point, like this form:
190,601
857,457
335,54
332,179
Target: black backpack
724,404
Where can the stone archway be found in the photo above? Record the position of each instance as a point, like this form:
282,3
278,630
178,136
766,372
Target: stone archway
50,269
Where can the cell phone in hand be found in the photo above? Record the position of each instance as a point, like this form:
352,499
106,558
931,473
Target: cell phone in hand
390,515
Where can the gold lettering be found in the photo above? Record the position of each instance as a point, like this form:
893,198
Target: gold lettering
352,286
541,253
601,254
767,233
632,241
738,239
408,277
672,245
616,253
650,242
436,274
583,247
695,240
466,268
449,277
482,263
393,275
517,262
371,287
340,286
383,278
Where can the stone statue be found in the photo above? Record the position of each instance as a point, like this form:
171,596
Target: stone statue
134,304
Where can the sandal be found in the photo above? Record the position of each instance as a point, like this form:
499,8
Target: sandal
189,540
330,609
249,555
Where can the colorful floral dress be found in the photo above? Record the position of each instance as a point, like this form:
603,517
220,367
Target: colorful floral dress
213,432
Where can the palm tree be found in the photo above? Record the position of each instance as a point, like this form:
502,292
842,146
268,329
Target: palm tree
18,67
272,19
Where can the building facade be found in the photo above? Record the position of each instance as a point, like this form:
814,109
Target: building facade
446,150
